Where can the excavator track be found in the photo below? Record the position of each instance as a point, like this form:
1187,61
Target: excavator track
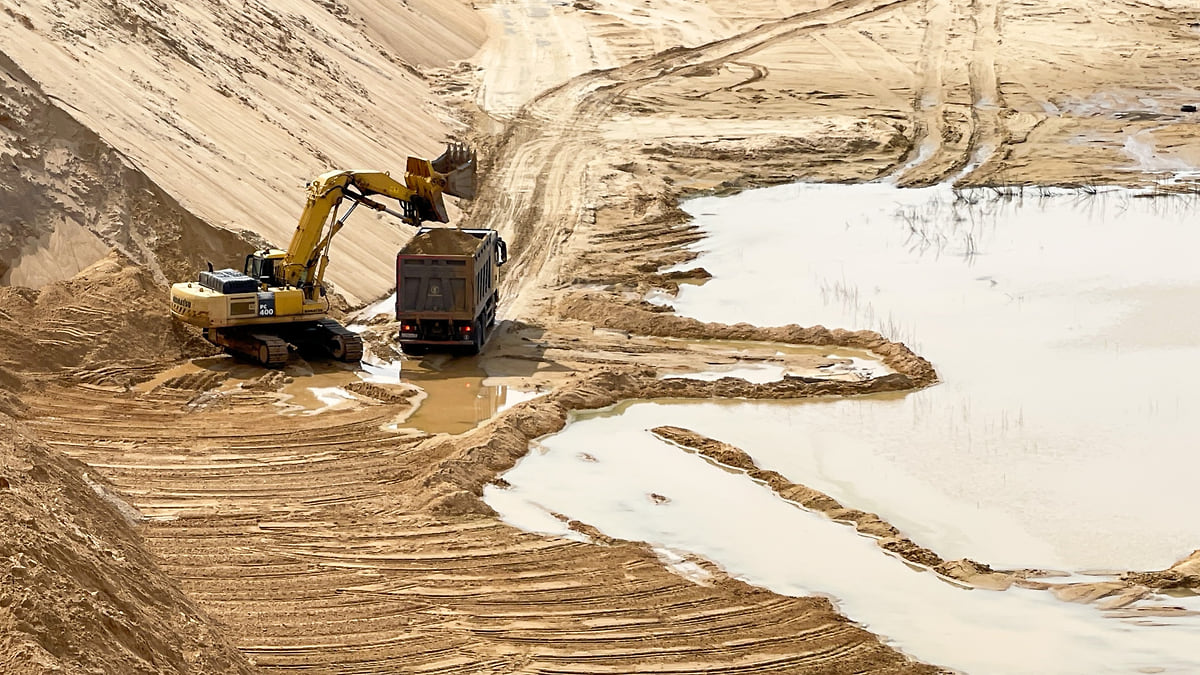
342,343
266,349
272,351
327,337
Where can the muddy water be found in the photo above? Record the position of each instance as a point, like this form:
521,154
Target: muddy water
455,394
310,388
458,396
762,362
605,469
1062,324
1061,437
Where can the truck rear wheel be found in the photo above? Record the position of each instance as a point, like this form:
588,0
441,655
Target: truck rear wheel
478,337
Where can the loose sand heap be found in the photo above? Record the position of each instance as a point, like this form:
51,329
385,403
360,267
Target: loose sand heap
105,325
191,527
443,240
80,593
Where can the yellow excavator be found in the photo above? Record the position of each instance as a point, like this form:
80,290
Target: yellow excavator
278,299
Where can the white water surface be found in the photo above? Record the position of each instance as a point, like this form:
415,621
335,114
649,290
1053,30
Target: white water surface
1061,437
757,373
607,470
1062,324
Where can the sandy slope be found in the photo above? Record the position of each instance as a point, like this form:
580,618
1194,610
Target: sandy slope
333,542
233,107
70,197
79,591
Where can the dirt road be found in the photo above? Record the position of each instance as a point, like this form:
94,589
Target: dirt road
350,541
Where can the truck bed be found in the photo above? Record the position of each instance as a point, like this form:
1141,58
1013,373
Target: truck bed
446,281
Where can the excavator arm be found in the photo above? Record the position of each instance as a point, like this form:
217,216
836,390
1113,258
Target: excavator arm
275,302
419,196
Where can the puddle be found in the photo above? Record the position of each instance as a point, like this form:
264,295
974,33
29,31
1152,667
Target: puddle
1117,104
606,470
315,400
760,373
313,388
660,298
510,396
763,362
385,307
1142,149
1061,323
848,369
679,564
455,397
380,372
855,368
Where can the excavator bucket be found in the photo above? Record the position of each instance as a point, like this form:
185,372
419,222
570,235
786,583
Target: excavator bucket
457,164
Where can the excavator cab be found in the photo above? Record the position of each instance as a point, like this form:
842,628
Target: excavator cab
261,266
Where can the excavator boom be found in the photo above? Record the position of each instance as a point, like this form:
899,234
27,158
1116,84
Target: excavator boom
420,197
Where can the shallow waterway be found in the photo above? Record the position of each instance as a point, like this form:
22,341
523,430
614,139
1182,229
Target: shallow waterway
1061,437
1062,325
608,471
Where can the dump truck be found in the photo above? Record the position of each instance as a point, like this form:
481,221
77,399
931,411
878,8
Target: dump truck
447,289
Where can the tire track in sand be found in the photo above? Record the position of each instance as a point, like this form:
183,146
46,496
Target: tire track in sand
300,535
988,135
540,165
957,124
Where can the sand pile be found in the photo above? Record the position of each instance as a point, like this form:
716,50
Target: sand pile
648,319
1183,574
77,591
69,197
109,324
443,241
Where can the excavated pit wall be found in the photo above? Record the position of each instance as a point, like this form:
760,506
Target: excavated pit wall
69,197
